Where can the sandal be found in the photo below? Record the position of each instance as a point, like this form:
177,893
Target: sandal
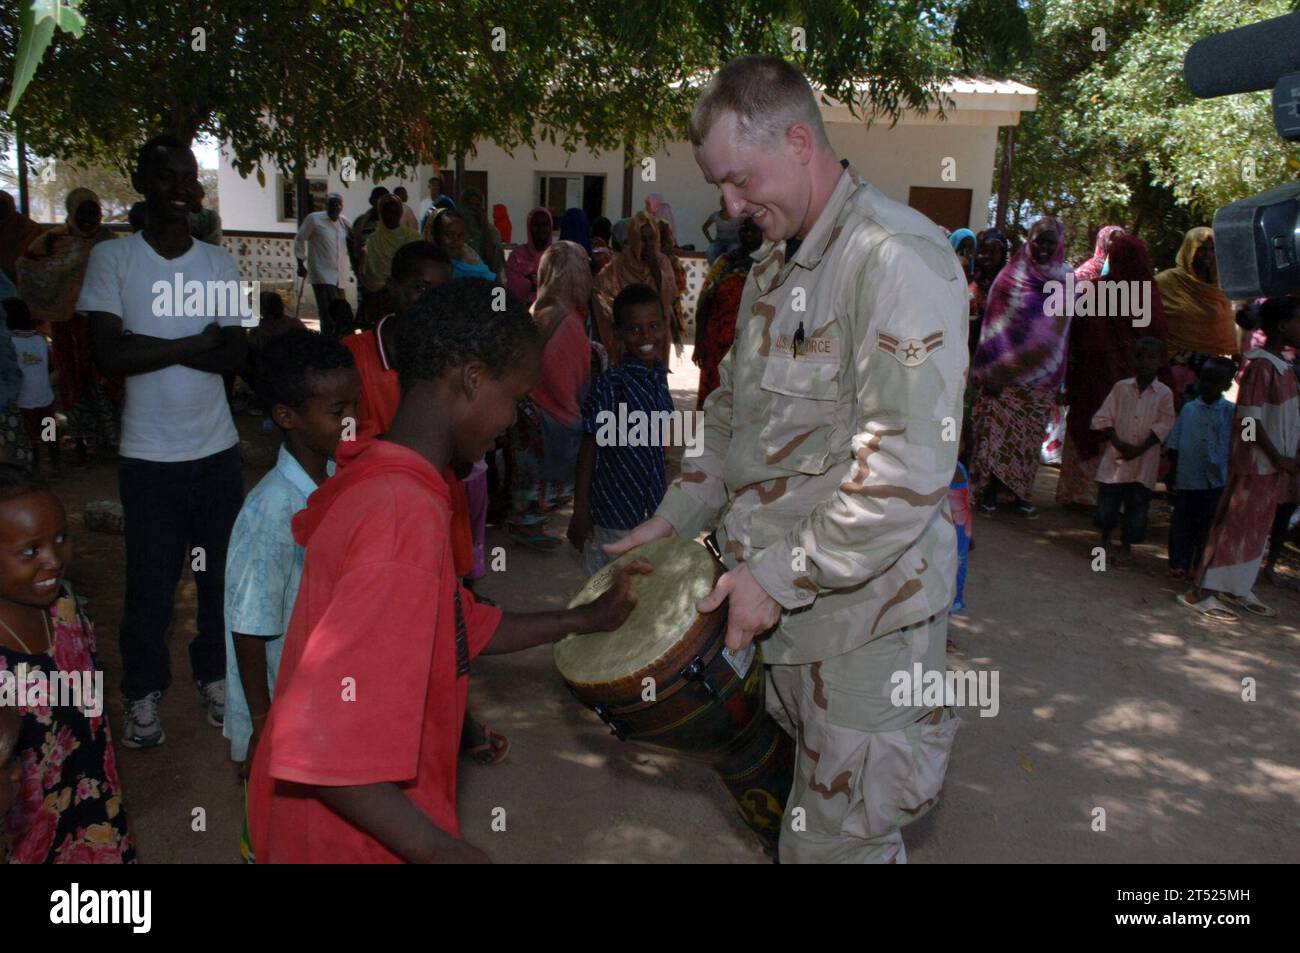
1251,605
1028,511
493,750
1210,607
988,509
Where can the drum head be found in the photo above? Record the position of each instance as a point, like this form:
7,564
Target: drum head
665,611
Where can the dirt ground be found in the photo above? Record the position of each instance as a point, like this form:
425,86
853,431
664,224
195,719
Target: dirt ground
1112,696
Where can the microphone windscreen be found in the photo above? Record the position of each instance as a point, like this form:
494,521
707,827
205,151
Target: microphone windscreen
1245,59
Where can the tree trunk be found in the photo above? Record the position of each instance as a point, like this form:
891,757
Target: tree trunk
23,205
1004,181
301,192
627,181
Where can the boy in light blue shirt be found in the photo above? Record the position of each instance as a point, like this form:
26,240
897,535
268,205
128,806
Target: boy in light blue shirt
1198,449
309,387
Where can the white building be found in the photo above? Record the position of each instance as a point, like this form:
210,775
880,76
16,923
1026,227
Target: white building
942,167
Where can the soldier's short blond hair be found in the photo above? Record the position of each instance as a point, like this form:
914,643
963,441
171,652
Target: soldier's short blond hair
767,96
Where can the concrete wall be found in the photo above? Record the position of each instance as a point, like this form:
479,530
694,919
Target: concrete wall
892,159
246,205
512,180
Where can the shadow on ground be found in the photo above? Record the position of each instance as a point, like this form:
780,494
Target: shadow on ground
1111,696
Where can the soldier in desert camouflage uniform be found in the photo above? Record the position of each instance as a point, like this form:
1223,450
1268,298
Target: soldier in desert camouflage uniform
829,447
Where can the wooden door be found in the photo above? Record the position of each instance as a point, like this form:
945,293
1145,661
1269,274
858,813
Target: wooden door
947,207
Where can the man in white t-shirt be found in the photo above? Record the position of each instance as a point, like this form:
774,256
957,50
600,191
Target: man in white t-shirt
327,235
179,475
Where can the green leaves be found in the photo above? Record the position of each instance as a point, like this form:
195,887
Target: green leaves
36,25
397,83
1118,137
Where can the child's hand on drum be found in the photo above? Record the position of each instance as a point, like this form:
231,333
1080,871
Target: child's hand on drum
615,604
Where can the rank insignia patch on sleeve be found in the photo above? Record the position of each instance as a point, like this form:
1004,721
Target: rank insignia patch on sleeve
910,352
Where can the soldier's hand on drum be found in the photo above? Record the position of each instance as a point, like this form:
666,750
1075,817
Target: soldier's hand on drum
615,604
656,527
751,612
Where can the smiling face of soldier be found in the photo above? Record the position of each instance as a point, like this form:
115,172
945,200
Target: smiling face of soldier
771,183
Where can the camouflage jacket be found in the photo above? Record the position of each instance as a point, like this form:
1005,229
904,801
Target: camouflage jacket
830,444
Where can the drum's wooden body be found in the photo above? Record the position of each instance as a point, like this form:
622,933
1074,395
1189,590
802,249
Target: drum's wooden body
663,680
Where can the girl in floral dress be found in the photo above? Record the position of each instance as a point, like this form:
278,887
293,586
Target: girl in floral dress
69,802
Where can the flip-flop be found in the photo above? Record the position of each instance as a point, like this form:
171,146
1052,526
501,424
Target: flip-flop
493,750
1210,607
1251,605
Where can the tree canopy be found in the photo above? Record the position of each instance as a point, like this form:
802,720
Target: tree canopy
395,83
1118,137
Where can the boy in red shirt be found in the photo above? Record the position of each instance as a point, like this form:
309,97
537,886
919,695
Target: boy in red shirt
417,267
358,760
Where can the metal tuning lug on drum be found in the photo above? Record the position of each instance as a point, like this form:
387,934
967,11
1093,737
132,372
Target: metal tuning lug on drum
695,673
615,728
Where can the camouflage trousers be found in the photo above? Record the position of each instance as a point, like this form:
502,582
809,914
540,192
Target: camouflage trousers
866,767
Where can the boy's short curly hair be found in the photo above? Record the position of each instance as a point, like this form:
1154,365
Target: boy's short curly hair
410,255
631,296
286,362
456,324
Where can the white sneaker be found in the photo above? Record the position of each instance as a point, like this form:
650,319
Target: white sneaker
212,696
143,728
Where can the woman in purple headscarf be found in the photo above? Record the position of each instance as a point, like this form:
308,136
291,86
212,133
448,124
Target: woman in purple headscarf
1019,367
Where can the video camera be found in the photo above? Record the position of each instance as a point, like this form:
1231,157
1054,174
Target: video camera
1256,239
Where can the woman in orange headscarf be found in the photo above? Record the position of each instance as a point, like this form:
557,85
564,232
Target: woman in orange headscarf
640,261
1201,321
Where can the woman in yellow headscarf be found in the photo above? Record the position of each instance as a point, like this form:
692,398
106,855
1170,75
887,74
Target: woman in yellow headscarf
1201,322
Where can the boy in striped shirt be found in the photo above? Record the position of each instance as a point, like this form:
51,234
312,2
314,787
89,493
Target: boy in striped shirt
620,479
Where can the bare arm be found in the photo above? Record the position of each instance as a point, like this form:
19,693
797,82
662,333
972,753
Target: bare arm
230,358
250,659
581,519
119,354
250,662
523,630
387,815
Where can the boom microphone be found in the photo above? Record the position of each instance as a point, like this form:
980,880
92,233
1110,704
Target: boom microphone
1244,60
